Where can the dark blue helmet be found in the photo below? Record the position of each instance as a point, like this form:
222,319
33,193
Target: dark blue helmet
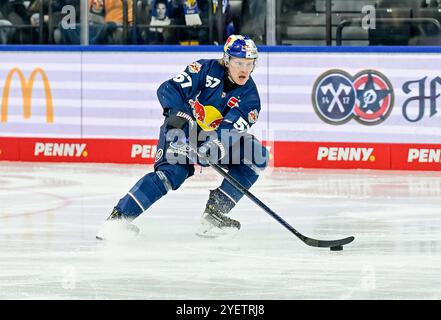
238,46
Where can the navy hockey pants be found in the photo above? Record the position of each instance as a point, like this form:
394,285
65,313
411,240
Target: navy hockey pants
167,176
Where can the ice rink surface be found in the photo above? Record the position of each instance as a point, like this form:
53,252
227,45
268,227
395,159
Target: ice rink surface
50,213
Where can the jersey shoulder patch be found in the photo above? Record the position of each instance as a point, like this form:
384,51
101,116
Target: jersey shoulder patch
253,115
194,67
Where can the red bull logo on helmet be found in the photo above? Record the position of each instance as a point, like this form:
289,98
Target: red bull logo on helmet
207,117
240,47
229,42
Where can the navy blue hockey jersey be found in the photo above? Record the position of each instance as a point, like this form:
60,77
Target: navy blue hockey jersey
200,91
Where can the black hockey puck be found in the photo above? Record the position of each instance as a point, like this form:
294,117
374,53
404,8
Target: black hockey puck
336,248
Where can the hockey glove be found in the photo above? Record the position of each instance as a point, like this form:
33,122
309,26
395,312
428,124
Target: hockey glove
211,151
178,120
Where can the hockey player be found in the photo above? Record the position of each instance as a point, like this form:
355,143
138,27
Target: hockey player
218,100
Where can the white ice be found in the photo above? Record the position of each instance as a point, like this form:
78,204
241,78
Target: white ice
50,213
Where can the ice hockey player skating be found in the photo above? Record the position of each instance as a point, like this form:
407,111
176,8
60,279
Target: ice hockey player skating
209,106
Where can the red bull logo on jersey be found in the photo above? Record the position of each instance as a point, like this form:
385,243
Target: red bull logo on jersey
207,117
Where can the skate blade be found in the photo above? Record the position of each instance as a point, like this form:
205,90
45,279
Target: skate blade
215,232
117,230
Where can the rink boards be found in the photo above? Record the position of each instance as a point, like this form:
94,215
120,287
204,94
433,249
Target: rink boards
331,109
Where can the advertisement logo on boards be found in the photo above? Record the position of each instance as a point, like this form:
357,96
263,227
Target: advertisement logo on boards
145,151
345,154
51,149
337,97
424,155
26,90
421,91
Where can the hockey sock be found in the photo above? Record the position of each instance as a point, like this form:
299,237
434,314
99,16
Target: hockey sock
144,193
245,175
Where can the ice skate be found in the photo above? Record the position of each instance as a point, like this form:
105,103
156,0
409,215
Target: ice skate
216,224
214,221
117,226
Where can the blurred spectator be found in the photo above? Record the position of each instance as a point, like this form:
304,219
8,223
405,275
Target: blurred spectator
254,17
228,24
175,10
159,35
105,23
6,32
12,13
192,19
227,28
58,15
34,12
51,23
191,13
34,18
96,12
160,18
97,26
114,18
114,11
181,13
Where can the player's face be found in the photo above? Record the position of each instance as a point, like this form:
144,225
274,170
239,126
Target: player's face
240,69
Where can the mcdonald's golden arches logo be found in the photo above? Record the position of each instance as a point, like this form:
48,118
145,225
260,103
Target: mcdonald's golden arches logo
26,89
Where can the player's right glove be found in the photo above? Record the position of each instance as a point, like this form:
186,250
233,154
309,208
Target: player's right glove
178,120
179,124
211,151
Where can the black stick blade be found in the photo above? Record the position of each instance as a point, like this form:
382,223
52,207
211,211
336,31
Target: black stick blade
327,243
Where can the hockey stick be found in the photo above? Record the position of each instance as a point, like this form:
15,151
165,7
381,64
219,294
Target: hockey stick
187,148
309,241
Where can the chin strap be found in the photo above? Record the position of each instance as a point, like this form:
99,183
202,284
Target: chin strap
226,63
229,78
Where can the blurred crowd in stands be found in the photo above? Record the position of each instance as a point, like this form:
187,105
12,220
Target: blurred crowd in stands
125,22
194,22
358,22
